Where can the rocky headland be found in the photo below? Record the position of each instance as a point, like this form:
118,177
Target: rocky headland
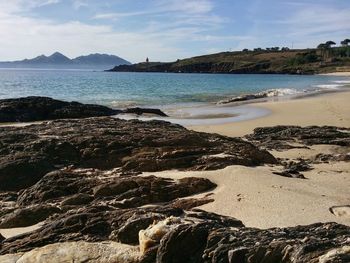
302,62
81,183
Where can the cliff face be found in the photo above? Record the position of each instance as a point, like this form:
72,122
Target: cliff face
308,61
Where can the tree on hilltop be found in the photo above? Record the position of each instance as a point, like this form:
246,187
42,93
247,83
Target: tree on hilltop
329,44
345,42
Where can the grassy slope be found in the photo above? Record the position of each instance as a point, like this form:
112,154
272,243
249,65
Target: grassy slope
308,61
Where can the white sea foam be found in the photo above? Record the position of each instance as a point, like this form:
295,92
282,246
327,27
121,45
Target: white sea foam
329,86
123,103
342,81
281,92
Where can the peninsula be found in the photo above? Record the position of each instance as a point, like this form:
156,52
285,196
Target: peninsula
275,60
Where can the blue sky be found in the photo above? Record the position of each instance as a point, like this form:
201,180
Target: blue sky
165,30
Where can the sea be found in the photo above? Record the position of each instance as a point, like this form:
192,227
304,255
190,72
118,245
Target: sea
187,98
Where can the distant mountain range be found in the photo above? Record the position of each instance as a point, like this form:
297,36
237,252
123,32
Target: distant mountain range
58,60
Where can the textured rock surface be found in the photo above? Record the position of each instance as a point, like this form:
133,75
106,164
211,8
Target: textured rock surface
91,197
140,111
122,192
295,244
101,223
44,108
283,137
78,252
112,211
28,153
28,216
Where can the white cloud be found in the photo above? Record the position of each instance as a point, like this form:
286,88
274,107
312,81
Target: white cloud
23,5
77,4
28,37
164,7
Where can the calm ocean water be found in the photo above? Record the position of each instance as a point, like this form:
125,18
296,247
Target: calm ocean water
125,89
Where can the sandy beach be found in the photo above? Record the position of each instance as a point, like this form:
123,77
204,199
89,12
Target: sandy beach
324,109
338,74
262,199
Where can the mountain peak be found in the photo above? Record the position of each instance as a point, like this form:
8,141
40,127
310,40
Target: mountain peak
58,55
57,59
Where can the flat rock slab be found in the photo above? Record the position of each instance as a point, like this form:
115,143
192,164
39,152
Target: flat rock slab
28,153
286,137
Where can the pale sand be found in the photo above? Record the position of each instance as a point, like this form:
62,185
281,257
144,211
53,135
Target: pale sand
338,74
325,109
262,199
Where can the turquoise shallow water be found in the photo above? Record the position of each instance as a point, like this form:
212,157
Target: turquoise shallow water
125,89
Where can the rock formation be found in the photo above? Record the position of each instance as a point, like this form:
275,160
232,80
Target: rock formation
80,180
287,137
28,153
44,108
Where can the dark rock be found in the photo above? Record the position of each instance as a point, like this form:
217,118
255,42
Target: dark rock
205,242
215,219
184,244
1,239
57,186
128,233
290,173
283,137
248,97
44,108
325,158
28,153
122,192
8,196
189,203
98,223
292,169
301,165
293,244
28,216
244,98
78,199
140,111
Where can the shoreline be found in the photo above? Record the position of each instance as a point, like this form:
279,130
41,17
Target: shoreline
261,199
329,108
337,74
254,194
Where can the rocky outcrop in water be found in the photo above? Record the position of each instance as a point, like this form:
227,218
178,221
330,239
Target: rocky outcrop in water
44,108
259,95
288,137
141,111
28,153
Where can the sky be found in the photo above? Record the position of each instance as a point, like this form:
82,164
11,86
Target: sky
165,30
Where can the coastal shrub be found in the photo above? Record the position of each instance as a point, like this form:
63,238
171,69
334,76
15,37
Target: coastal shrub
304,58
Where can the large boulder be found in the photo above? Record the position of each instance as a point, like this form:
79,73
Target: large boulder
28,216
205,242
122,192
28,153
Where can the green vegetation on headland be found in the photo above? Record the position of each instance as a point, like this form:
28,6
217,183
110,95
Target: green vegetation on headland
275,60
